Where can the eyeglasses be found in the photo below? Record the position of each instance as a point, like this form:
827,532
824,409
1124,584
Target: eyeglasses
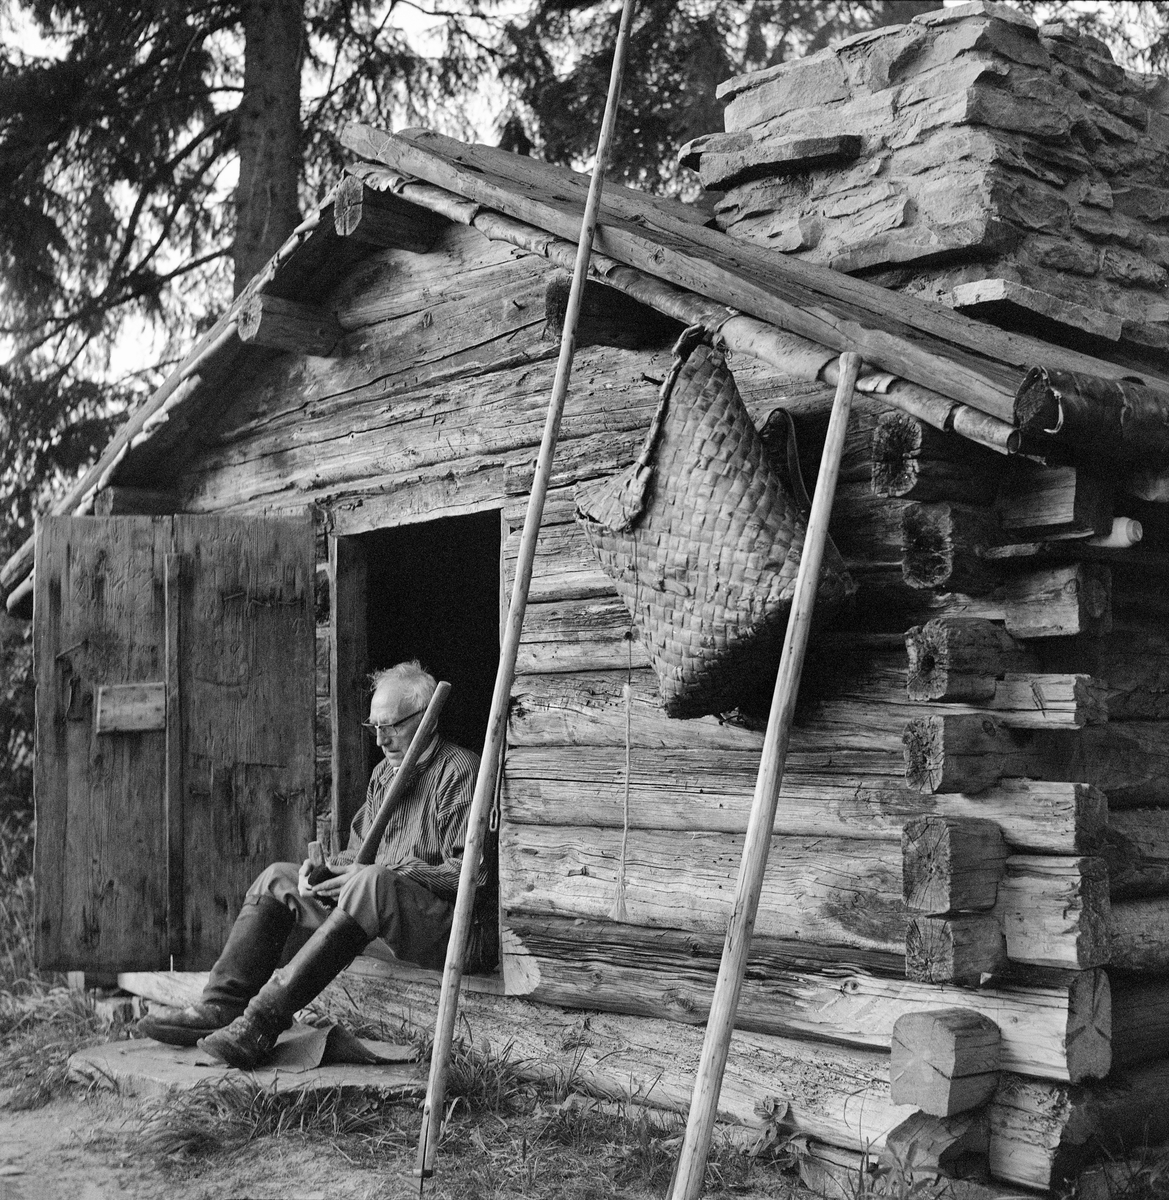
392,726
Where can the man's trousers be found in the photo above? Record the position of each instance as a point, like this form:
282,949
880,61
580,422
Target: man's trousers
412,921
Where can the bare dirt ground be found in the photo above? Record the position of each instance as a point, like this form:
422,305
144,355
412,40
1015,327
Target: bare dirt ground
84,1149
92,1144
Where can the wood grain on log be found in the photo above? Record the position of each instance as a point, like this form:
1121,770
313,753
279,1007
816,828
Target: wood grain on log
1128,761
710,789
962,659
382,219
119,501
931,1147
1139,932
288,325
961,753
1140,1017
913,461
1035,701
1039,1130
951,865
1056,1032
965,950
1055,912
943,546
820,890
817,890
1136,849
1130,666
1060,602
1055,502
944,1060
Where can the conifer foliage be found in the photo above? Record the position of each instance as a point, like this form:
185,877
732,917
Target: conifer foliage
122,132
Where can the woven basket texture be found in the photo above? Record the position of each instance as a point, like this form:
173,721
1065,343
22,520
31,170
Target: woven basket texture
703,544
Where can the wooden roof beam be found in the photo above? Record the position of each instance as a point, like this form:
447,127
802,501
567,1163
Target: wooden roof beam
800,357
288,325
381,219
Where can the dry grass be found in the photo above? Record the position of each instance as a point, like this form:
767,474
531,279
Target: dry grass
505,1137
1144,1176
41,1022
37,1035
18,974
221,1116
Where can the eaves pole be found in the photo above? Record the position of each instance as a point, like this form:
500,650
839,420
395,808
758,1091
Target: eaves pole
485,783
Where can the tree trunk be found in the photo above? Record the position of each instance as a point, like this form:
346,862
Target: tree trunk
266,209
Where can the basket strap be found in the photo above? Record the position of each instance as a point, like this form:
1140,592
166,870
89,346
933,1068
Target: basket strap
795,476
795,480
683,348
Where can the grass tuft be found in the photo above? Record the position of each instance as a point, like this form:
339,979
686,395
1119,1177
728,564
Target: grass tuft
218,1116
38,1033
486,1081
18,972
41,1022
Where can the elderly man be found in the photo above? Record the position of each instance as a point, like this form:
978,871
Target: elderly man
406,897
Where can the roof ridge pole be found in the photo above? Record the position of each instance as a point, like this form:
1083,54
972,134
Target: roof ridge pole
485,783
690,1172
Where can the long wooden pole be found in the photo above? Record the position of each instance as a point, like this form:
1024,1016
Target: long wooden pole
691,1170
481,805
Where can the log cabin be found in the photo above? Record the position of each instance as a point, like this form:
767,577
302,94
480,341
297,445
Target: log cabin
961,958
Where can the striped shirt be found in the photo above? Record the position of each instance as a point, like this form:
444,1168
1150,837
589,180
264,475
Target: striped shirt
428,826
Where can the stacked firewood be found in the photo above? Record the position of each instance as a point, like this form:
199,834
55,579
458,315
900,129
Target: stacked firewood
967,157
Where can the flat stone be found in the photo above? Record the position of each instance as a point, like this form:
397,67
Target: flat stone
981,292
976,8
145,1067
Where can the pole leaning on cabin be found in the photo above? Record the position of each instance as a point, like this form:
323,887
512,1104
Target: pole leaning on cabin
432,1111
367,853
691,1171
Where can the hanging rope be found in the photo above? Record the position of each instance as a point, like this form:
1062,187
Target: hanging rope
618,911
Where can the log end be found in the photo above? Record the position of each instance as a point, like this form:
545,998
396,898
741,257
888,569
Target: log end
965,950
347,206
944,1061
896,448
924,752
951,865
1089,1030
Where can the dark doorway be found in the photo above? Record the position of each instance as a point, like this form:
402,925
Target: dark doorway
432,593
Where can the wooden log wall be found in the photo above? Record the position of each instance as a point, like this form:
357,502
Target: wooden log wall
432,404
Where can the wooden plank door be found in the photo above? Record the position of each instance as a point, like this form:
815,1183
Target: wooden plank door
174,661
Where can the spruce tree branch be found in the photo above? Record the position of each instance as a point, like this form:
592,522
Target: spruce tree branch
165,169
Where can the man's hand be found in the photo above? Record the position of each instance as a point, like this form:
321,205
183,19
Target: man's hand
302,884
327,889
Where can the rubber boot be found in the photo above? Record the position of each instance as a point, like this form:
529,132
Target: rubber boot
252,951
248,1040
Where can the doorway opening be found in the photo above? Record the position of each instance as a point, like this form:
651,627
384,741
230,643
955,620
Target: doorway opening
432,593
428,591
